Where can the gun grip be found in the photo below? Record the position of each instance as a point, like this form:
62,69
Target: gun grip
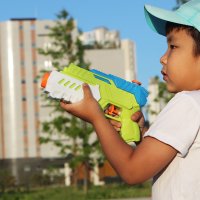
130,131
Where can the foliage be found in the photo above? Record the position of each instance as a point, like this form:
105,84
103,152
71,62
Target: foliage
7,181
51,177
162,97
96,192
66,46
71,135
163,94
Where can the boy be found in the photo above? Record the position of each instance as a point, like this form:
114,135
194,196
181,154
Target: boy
170,149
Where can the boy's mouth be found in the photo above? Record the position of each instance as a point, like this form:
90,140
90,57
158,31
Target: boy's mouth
164,75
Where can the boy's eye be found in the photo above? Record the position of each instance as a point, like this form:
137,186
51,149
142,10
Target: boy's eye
172,46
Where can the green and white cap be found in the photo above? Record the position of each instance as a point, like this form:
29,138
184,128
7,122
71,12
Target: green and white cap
187,14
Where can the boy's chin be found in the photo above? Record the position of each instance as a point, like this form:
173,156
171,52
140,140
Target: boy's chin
172,90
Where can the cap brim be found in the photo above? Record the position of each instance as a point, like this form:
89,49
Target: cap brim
156,18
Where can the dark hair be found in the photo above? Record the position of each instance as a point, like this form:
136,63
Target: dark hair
193,32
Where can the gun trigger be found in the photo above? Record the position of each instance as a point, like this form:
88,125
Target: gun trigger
112,110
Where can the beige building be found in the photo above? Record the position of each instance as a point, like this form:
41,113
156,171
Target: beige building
20,63
119,60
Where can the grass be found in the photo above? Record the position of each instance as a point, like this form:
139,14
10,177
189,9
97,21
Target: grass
95,192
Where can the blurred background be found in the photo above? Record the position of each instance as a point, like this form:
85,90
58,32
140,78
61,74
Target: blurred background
44,151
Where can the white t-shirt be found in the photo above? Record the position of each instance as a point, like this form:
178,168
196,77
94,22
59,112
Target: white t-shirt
178,125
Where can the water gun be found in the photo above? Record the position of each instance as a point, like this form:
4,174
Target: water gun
118,98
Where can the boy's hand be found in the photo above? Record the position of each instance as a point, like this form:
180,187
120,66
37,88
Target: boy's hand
87,109
116,124
136,117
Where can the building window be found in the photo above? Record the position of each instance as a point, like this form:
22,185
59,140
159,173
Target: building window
24,115
47,45
23,98
23,81
34,63
46,27
25,132
32,27
22,63
48,64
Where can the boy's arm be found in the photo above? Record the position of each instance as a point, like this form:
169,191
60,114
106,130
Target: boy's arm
133,165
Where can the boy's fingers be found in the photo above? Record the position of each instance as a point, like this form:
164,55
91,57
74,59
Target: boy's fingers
65,104
115,123
137,116
86,90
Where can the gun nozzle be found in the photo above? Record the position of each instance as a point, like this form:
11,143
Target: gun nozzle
137,82
45,79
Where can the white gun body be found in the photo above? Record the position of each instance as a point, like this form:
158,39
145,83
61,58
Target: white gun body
67,88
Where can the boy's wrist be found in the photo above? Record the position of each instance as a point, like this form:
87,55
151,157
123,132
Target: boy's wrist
99,116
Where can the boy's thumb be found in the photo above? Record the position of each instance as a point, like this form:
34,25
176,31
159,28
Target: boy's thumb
86,90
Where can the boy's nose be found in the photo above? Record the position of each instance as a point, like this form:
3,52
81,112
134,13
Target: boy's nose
163,59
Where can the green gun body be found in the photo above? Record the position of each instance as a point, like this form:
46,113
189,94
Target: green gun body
116,103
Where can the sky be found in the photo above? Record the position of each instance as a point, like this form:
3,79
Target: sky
125,16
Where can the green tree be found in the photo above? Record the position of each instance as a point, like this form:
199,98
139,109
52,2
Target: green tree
162,96
70,134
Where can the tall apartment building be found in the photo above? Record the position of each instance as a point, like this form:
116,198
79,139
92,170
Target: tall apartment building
20,104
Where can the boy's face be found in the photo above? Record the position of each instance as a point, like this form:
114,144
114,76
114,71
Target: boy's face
181,69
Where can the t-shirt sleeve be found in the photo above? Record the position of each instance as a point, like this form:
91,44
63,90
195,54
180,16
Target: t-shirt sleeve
177,124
